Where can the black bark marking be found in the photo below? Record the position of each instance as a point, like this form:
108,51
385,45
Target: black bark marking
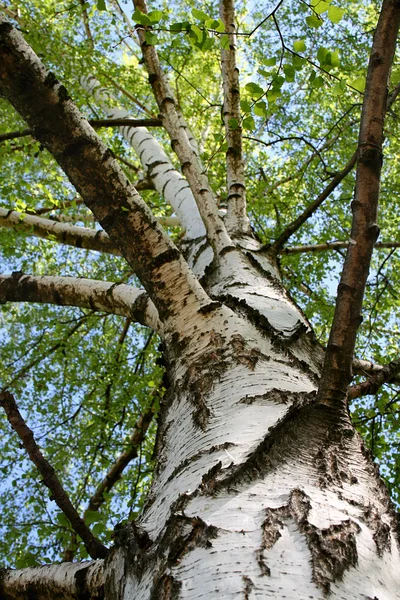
333,549
248,587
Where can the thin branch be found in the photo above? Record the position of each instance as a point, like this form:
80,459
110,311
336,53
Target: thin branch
95,123
117,468
67,580
98,178
130,96
86,24
114,298
94,547
332,246
277,246
71,235
336,374
181,144
366,367
387,374
236,219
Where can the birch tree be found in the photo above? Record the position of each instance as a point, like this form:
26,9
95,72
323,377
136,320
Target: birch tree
182,393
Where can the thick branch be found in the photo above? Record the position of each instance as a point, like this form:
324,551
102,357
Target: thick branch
115,298
236,220
96,175
277,246
191,167
68,581
95,123
387,374
332,246
72,235
94,547
336,374
159,169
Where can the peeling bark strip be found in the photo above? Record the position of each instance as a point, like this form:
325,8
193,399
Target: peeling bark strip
115,298
158,167
90,166
93,546
336,374
68,581
71,235
236,220
191,167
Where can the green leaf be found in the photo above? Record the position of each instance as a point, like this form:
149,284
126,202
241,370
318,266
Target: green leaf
248,123
200,15
245,106
233,124
290,72
151,38
156,15
299,46
198,32
358,84
269,62
225,42
141,18
321,54
317,82
211,24
321,7
298,62
273,95
254,89
92,516
339,88
335,13
314,21
260,109
101,5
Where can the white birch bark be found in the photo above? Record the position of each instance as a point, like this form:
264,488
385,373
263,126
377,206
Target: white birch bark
166,179
258,493
115,298
71,235
67,581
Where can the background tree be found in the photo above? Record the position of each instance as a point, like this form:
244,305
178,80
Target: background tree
251,463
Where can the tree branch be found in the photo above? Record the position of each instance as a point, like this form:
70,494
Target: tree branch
67,581
332,246
336,374
115,298
191,167
93,546
131,452
95,123
96,175
236,219
277,246
159,169
71,235
387,374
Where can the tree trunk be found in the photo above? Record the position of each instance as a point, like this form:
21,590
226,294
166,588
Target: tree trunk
260,492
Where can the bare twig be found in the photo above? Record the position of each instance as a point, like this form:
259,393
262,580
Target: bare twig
94,547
